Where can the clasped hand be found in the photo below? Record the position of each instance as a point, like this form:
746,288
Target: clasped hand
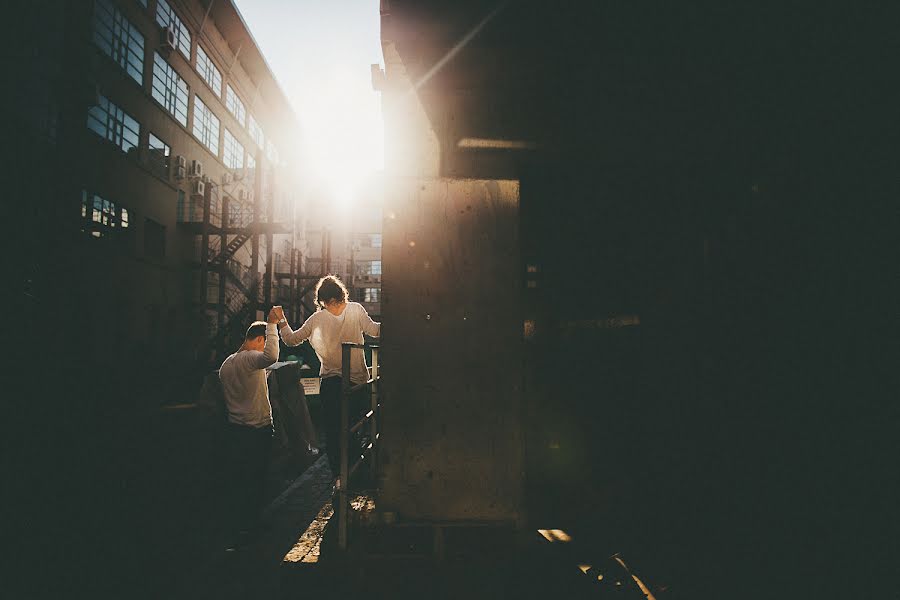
276,314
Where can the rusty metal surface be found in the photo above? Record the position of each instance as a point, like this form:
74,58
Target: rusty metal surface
452,436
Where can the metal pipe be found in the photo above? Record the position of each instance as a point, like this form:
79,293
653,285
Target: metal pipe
373,464
361,422
345,434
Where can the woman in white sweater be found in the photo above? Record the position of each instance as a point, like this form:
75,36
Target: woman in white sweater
337,321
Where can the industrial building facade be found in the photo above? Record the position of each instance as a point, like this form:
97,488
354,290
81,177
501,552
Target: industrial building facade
170,201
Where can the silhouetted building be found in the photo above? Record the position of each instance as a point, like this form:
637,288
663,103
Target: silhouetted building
156,136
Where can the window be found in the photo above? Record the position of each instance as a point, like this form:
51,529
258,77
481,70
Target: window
101,216
166,17
369,240
370,294
272,153
112,123
154,239
142,3
119,39
251,164
159,156
208,71
234,105
170,90
233,152
256,133
206,126
370,267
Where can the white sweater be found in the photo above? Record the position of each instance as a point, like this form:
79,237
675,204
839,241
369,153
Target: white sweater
327,332
244,384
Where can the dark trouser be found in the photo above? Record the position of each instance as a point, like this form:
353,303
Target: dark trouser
330,396
249,449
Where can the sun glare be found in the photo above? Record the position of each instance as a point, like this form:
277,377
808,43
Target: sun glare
321,53
342,135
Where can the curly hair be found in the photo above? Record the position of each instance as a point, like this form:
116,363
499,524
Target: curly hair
330,288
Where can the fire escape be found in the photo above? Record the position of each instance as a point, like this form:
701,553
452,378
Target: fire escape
226,217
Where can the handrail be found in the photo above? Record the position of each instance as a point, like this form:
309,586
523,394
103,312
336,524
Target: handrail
369,452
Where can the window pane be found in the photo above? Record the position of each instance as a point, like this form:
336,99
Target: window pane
256,133
208,71
159,156
233,154
166,17
119,39
169,89
272,153
234,105
206,126
101,216
112,123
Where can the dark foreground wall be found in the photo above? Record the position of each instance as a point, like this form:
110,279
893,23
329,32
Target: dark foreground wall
452,438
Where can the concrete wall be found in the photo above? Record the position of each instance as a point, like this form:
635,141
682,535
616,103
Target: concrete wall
452,444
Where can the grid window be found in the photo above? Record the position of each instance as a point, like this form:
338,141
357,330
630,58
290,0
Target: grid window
166,17
234,105
272,153
119,39
256,132
371,267
369,240
208,71
206,126
170,90
371,294
233,152
159,156
101,216
112,123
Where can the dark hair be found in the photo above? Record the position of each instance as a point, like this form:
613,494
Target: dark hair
256,329
330,288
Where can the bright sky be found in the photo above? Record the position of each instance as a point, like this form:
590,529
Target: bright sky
320,52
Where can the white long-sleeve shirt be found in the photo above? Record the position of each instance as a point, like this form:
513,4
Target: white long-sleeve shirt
243,376
326,332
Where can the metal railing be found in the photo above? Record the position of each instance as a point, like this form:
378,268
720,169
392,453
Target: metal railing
371,418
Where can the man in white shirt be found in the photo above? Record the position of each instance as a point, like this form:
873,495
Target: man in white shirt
337,321
249,434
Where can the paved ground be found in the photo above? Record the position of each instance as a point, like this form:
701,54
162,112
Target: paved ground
252,571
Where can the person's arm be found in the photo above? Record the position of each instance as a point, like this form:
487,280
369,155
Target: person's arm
369,327
295,338
269,355
260,360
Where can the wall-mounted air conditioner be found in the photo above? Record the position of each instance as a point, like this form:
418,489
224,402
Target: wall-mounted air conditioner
167,39
198,188
196,169
227,178
180,161
180,172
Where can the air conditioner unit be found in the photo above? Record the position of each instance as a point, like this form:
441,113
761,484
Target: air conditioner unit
180,161
196,168
198,188
180,172
227,178
167,39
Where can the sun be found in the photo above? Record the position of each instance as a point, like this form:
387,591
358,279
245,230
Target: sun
343,134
